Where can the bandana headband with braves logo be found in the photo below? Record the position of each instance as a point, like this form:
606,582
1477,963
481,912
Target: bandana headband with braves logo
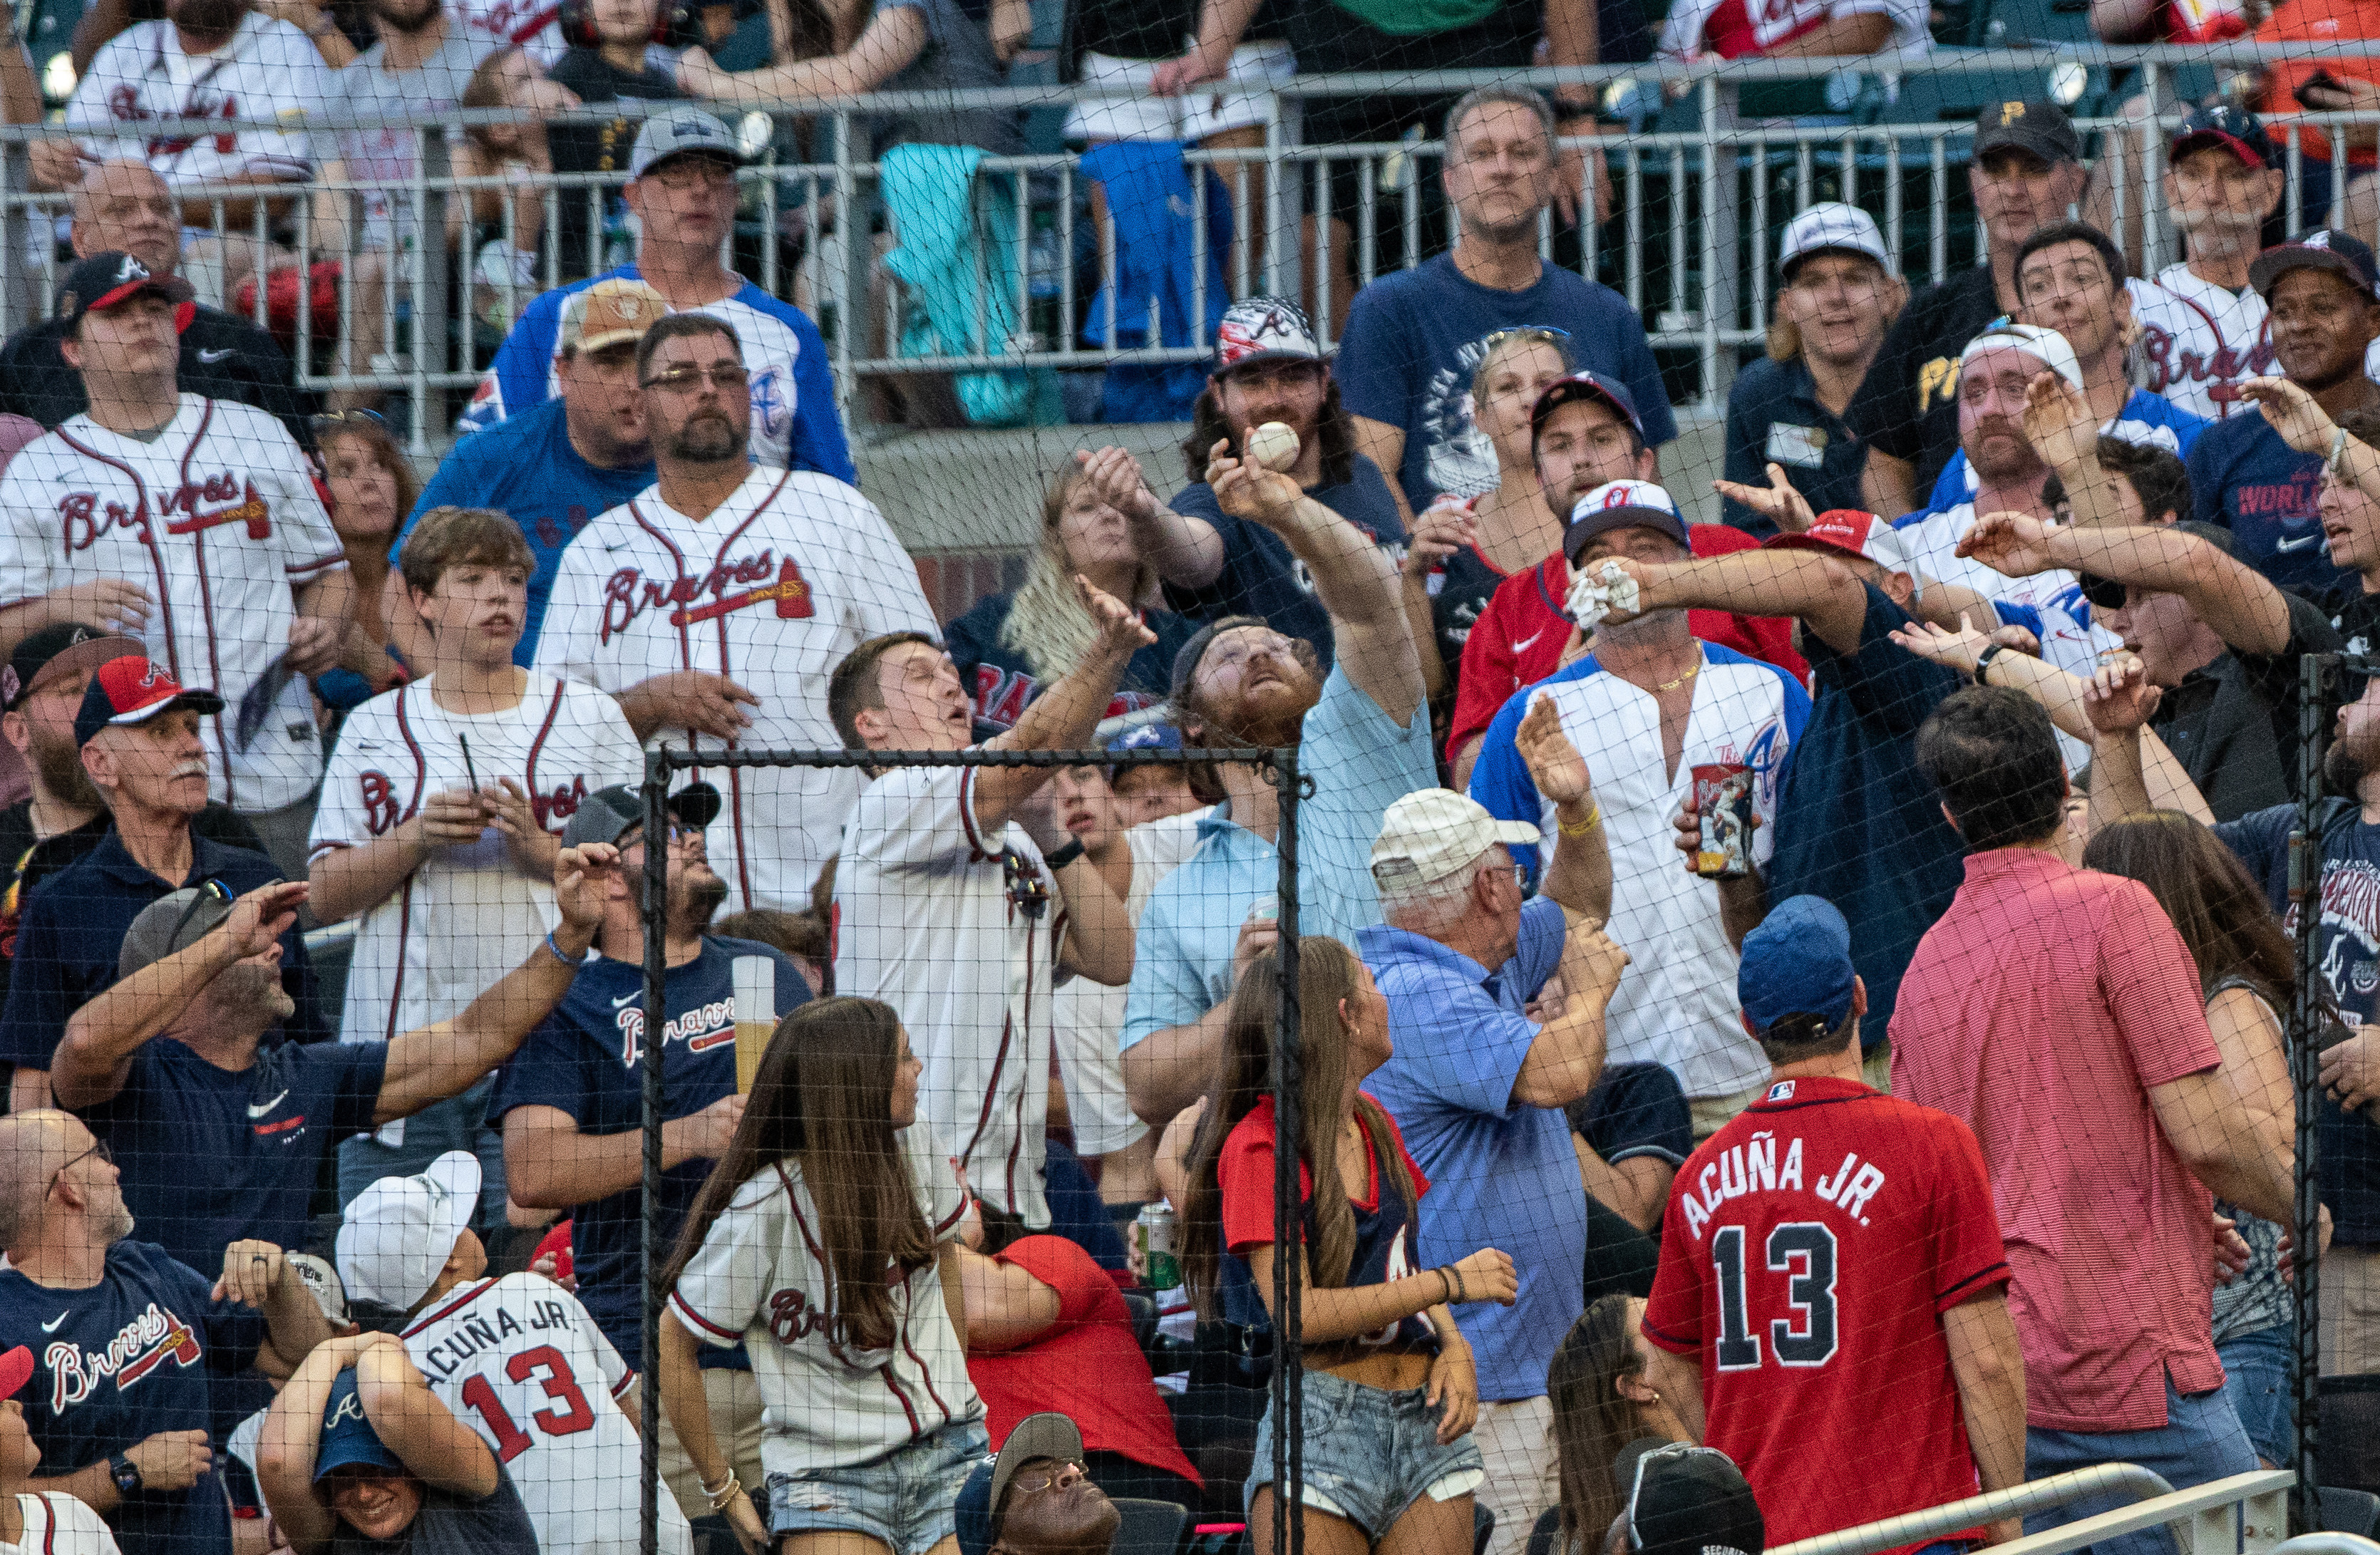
1264,329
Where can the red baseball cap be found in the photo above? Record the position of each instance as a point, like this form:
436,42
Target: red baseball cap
134,690
15,1371
1845,531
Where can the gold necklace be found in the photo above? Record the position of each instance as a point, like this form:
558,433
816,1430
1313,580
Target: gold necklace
1673,685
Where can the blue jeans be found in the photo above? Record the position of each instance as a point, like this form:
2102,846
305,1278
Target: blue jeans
2256,1369
2201,1440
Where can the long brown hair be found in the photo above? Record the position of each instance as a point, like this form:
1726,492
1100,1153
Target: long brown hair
823,1098
1328,972
1046,623
2215,905
1334,426
1592,1420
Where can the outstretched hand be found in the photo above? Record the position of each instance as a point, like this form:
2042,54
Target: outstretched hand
1116,476
2013,544
259,917
580,875
1779,501
1122,631
2304,424
1559,770
2058,422
1246,489
2121,698
1960,651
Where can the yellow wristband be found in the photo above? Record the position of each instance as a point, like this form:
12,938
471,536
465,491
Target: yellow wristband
1594,819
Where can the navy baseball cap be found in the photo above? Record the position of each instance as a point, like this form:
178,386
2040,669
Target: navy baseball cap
133,690
1046,1434
2323,249
604,815
1148,736
2236,130
1798,962
1622,505
1588,385
2038,126
348,1438
112,276
51,654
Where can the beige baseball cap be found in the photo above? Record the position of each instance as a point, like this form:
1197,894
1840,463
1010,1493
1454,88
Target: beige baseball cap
612,312
1432,832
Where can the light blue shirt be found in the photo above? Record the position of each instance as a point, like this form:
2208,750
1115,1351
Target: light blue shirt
1502,1173
1361,763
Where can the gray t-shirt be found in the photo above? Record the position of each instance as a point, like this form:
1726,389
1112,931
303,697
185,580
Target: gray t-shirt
386,155
957,55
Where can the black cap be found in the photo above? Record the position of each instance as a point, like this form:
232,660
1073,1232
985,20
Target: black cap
42,660
2040,127
2323,249
2236,130
1680,1500
604,815
112,276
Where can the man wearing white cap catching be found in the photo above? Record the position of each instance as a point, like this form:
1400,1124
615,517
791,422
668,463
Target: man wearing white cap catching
540,1395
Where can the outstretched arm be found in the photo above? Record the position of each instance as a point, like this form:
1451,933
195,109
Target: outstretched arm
1065,714
1580,875
1825,594
1185,551
2234,599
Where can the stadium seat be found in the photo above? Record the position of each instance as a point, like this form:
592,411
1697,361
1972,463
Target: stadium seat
2351,1512
1483,1529
1548,1529
1148,1527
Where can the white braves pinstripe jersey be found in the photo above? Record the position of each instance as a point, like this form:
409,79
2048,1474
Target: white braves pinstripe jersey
522,1362
771,589
218,518
56,1523
762,1279
267,71
2199,340
470,913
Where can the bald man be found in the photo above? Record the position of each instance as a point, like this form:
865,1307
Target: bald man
130,1345
123,206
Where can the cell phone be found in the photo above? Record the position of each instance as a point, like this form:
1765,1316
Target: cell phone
2322,79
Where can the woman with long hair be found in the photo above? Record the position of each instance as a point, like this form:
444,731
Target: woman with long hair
820,1243
1602,1401
1390,1393
1010,646
369,486
2247,969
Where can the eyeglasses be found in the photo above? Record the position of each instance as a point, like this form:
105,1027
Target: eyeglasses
1668,1452
99,1147
689,379
331,421
693,174
1032,1481
680,834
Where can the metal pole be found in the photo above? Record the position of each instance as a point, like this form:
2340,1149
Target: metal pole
2306,1072
657,776
1289,1207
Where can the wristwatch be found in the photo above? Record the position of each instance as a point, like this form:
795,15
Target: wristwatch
126,1472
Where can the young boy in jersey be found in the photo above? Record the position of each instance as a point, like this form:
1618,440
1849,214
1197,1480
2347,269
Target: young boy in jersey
1826,1197
47,1522
540,1393
441,816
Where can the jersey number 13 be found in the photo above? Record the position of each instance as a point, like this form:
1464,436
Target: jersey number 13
559,1384
1803,1251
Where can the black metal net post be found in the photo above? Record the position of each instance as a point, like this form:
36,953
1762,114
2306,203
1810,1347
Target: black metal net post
658,767
1288,1204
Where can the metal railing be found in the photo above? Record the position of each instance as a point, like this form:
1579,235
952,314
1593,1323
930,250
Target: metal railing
2245,1515
1691,243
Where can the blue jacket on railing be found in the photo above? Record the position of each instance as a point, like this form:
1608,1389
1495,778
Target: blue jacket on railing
1150,197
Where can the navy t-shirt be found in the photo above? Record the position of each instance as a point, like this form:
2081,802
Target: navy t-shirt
2349,936
75,925
1261,577
1002,683
116,1363
1412,341
1774,417
2243,477
525,465
1636,1110
1856,822
209,1156
449,1524
582,1061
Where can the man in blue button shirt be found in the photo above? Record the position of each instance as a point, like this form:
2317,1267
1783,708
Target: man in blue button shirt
1479,1088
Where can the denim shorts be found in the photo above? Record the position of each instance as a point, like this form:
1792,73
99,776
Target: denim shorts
1370,1453
906,1500
2256,1375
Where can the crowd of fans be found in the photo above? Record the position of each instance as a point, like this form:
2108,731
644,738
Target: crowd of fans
1756,980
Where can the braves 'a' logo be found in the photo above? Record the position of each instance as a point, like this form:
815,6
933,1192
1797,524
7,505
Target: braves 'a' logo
629,593
381,806
139,1348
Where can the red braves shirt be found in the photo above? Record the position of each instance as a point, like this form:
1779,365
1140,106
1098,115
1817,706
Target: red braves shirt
1807,1253
1518,639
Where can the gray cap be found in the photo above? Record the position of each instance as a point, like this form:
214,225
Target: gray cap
173,922
676,132
604,815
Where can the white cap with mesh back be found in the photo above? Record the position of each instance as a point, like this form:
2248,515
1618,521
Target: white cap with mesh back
399,1232
2047,345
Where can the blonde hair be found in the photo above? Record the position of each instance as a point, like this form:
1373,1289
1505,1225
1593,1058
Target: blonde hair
1047,624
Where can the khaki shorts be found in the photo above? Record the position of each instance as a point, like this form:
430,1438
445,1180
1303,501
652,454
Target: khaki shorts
2350,1311
736,1420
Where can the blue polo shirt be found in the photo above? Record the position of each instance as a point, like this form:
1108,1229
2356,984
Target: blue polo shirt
583,1060
1857,824
525,465
1361,763
2243,477
1773,416
75,925
1502,1173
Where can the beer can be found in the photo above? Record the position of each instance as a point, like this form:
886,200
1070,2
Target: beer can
1153,1230
1723,798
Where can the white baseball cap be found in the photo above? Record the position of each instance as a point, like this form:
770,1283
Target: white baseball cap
399,1232
1832,225
1431,832
2033,340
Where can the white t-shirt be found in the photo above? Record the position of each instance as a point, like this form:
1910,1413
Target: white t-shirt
927,922
759,1280
772,589
535,25
524,1366
386,157
1089,1016
56,1523
217,518
470,913
269,70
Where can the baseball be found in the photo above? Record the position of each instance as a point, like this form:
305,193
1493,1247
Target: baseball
1274,446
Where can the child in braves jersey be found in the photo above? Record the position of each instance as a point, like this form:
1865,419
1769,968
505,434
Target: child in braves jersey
37,1522
821,1243
518,1359
1390,1393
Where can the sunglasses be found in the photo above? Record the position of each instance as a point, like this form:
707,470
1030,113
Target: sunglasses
331,421
1543,334
1029,888
211,890
2104,593
1675,1452
99,1147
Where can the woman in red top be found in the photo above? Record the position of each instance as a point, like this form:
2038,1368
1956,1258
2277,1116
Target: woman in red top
1390,1394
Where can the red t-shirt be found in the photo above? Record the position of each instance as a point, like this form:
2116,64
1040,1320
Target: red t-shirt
1807,1252
1731,34
1088,1366
1519,639
2040,1010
